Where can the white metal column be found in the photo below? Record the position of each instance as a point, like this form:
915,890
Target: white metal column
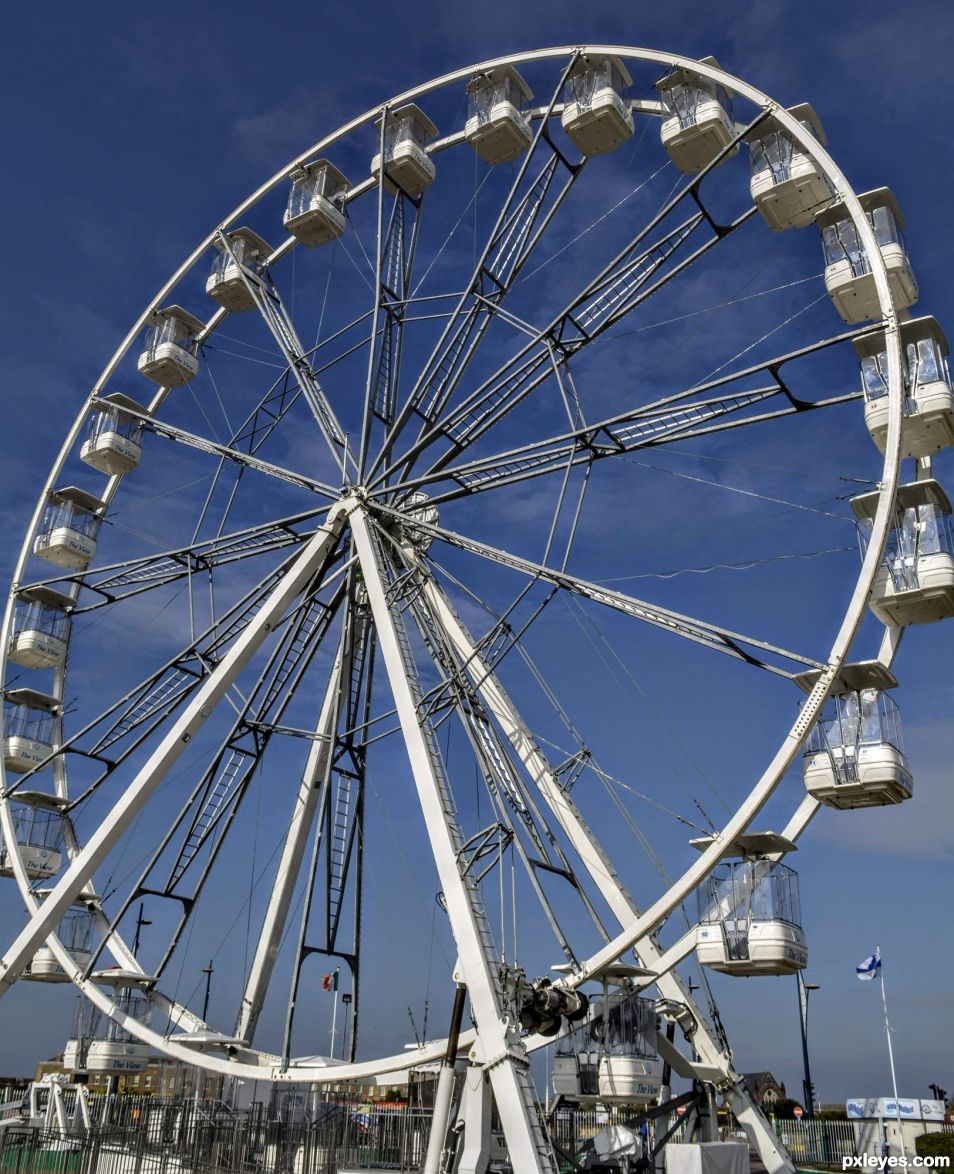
189,723
498,1048
714,1064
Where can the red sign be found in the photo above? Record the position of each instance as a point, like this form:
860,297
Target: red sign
799,1111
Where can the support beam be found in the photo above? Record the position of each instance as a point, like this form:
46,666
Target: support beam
312,796
498,1047
308,564
597,863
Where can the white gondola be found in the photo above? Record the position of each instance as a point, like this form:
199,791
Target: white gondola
407,165
854,755
29,728
787,185
749,916
315,212
101,1045
596,116
915,583
697,124
611,1056
75,934
225,284
848,277
928,423
41,628
169,358
497,128
38,829
113,440
67,534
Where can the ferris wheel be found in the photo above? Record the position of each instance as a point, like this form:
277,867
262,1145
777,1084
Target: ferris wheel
377,594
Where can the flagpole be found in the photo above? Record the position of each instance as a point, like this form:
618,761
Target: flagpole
887,1031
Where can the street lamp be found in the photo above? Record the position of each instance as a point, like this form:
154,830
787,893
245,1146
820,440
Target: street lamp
808,1090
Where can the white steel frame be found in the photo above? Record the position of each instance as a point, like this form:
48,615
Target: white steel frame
358,514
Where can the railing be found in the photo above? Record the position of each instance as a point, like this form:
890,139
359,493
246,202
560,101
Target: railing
817,1140
155,1135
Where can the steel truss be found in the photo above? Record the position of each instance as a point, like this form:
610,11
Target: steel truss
356,574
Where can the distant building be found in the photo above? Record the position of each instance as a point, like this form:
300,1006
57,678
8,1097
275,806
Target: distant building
764,1089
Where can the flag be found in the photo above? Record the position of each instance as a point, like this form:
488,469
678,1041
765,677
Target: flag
329,982
870,968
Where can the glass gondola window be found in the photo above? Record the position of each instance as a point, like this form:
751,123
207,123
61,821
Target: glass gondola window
921,530
69,515
76,930
603,75
840,238
24,720
32,615
403,127
772,152
885,226
740,891
91,1023
244,252
316,201
169,329
483,98
685,99
114,419
313,182
771,147
629,1028
840,242
866,717
37,827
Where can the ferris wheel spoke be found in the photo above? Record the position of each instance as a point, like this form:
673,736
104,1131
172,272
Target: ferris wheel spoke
338,778
303,570
604,304
521,822
705,1042
117,732
735,644
634,275
674,417
269,304
119,580
393,276
520,226
497,1038
213,448
206,817
330,800
597,442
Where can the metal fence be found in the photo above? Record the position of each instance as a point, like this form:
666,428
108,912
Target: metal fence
816,1140
151,1135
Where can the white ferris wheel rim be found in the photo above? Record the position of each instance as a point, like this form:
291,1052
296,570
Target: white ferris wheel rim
767,783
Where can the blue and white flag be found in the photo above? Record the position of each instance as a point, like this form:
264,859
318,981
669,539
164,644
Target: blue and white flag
870,967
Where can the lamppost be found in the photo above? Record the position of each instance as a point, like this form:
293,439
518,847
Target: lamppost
808,1090
208,971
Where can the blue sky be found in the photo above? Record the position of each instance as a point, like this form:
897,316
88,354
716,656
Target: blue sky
130,133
